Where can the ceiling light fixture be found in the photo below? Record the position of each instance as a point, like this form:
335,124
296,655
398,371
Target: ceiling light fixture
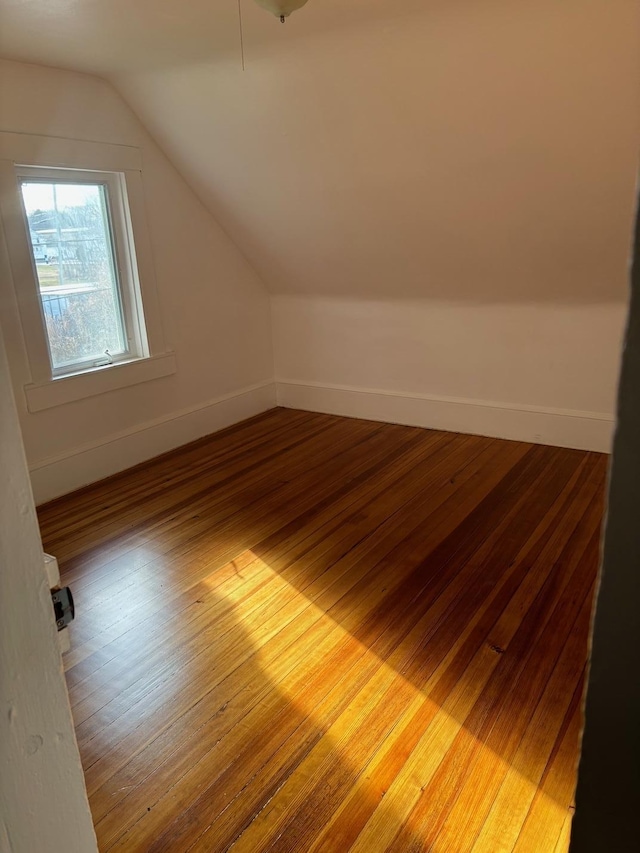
281,8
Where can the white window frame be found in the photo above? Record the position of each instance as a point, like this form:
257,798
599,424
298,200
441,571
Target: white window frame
120,167
124,259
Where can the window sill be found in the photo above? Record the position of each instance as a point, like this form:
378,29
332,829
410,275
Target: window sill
68,389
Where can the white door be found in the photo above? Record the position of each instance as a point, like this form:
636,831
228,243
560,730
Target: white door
43,800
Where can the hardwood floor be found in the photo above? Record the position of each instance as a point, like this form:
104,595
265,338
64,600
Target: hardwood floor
309,633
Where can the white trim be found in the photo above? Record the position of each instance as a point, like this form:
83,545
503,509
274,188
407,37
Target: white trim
30,149
559,427
42,789
18,150
119,236
65,472
142,258
20,259
90,383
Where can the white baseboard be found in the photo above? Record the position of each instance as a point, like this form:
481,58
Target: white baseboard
559,427
61,474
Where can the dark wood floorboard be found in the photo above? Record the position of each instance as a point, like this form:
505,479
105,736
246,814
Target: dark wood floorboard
309,633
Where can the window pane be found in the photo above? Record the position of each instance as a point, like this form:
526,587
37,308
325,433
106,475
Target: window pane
73,254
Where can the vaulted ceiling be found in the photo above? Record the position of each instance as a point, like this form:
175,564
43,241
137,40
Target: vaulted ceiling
417,148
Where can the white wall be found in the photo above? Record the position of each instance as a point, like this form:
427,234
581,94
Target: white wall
448,150
439,195
43,801
541,372
214,308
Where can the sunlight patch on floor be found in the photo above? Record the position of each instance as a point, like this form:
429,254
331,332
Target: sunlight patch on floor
516,792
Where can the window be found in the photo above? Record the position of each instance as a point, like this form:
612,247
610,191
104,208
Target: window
83,256
81,283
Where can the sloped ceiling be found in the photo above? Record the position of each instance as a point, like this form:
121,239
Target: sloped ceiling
414,148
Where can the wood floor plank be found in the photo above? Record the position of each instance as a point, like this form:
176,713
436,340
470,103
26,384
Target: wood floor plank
232,526
376,623
300,535
455,695
496,718
359,800
126,508
123,490
310,633
522,779
176,523
553,802
391,542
